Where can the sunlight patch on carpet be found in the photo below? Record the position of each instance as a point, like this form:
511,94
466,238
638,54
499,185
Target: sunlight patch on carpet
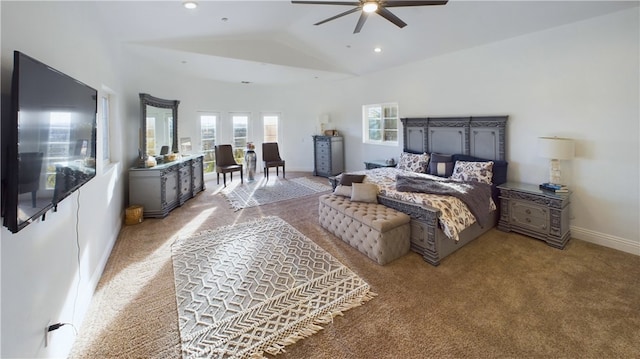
255,287
258,193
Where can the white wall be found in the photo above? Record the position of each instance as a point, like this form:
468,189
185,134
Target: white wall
41,279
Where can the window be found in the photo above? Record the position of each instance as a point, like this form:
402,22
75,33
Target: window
380,124
270,122
208,140
240,135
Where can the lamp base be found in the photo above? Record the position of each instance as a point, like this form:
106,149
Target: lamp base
555,176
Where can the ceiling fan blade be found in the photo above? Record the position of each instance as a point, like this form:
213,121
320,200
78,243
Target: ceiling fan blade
398,3
391,17
337,16
352,3
361,21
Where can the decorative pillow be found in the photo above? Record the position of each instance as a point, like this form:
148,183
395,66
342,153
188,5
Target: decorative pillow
342,190
414,162
440,165
347,179
499,167
473,171
364,192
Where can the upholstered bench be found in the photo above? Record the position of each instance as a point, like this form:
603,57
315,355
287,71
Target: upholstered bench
380,232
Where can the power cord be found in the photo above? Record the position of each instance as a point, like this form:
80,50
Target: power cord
75,300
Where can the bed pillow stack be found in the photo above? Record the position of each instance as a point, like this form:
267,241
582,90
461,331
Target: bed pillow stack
441,165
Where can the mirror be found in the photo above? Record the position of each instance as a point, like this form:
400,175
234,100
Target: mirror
159,123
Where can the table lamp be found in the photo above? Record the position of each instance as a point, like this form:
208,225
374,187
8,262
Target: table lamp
556,149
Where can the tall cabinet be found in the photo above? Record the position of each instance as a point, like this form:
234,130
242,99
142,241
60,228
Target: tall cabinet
162,188
328,155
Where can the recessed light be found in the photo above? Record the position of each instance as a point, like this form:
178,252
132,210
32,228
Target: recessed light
224,19
190,4
377,49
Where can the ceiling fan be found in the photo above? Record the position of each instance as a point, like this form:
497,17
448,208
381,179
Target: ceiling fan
369,6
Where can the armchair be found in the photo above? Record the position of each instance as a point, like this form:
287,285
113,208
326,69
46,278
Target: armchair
225,163
271,158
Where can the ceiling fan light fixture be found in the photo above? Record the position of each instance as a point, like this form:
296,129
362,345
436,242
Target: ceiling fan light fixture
190,4
370,6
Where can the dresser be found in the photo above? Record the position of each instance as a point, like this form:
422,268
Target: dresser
328,152
162,188
526,209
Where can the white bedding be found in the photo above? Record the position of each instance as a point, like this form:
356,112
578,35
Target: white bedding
454,214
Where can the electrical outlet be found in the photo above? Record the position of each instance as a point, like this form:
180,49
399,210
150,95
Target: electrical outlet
46,334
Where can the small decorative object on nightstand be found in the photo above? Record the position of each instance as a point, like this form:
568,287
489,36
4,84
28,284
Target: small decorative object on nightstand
379,163
527,209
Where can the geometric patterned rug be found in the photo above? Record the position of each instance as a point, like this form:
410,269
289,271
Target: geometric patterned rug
255,287
251,194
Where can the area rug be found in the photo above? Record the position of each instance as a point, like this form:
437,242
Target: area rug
255,287
251,194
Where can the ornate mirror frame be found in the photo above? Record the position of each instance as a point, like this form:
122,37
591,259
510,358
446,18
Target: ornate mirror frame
148,100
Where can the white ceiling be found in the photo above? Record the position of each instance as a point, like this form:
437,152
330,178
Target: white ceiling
275,42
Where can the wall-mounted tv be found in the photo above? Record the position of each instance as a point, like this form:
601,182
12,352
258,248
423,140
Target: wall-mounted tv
49,141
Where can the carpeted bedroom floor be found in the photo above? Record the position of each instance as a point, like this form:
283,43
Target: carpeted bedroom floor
502,296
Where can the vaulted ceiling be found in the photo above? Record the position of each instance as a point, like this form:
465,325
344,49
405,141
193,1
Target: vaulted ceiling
275,42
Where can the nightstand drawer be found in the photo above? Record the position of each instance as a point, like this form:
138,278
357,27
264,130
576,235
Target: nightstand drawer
532,217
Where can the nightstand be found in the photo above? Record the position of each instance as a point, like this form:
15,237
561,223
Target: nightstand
526,209
377,164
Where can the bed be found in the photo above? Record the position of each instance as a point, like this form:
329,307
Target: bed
477,139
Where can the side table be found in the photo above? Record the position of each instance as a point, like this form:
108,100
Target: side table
526,209
377,164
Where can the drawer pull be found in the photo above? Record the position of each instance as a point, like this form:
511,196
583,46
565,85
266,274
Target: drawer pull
528,211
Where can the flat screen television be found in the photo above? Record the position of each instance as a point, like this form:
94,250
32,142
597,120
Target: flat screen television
49,141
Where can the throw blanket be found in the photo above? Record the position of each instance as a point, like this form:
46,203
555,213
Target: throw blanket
476,195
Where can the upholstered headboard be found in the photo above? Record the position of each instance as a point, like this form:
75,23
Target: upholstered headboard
481,136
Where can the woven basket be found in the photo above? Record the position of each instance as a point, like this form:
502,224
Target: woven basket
133,215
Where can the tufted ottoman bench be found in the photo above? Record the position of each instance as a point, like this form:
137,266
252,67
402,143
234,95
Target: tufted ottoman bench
380,232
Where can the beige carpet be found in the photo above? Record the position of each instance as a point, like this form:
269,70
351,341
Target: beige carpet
502,296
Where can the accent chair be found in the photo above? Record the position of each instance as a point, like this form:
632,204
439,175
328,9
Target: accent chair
225,163
271,158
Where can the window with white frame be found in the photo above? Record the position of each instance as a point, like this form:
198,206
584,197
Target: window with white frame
270,123
380,124
240,122
208,123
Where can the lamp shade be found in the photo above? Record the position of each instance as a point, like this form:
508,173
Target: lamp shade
556,148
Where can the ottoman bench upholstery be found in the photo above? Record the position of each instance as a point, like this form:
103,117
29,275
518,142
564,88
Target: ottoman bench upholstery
379,232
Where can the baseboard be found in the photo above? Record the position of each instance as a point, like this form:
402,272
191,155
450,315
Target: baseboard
606,240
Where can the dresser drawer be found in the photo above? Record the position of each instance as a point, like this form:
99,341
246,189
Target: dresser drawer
530,216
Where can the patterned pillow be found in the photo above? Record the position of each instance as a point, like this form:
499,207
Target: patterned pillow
414,162
440,165
473,171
